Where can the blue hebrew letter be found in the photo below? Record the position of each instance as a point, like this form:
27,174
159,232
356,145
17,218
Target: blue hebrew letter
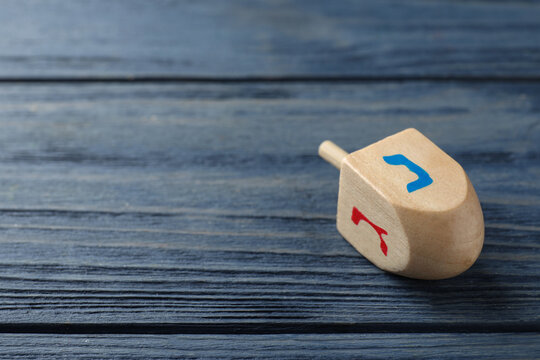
423,177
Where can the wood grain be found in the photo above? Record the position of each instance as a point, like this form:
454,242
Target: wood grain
231,39
177,204
310,346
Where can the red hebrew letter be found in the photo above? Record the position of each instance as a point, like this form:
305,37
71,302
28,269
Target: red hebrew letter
357,216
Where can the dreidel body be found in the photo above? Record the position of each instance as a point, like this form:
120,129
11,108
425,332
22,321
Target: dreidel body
407,206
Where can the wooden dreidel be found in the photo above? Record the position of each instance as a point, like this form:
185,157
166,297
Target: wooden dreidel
407,206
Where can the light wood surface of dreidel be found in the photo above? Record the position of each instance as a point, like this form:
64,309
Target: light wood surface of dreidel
407,206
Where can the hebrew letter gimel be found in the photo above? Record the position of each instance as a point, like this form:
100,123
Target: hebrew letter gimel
423,177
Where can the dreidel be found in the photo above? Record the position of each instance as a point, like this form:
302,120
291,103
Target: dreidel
407,206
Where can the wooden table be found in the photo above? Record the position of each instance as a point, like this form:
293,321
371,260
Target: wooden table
161,195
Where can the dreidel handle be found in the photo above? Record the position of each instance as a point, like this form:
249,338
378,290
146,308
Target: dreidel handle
332,153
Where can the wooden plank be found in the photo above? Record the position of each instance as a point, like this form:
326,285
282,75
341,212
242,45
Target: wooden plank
285,346
215,38
207,204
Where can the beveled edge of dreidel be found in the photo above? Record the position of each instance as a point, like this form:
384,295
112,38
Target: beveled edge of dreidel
432,232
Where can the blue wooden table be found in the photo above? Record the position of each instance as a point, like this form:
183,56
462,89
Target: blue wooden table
161,195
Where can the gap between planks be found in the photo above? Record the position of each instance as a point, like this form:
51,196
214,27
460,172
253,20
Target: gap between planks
267,328
272,79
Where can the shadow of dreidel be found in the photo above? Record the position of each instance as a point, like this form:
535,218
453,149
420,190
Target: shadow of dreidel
407,206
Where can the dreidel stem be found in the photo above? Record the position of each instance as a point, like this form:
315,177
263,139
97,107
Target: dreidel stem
332,153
